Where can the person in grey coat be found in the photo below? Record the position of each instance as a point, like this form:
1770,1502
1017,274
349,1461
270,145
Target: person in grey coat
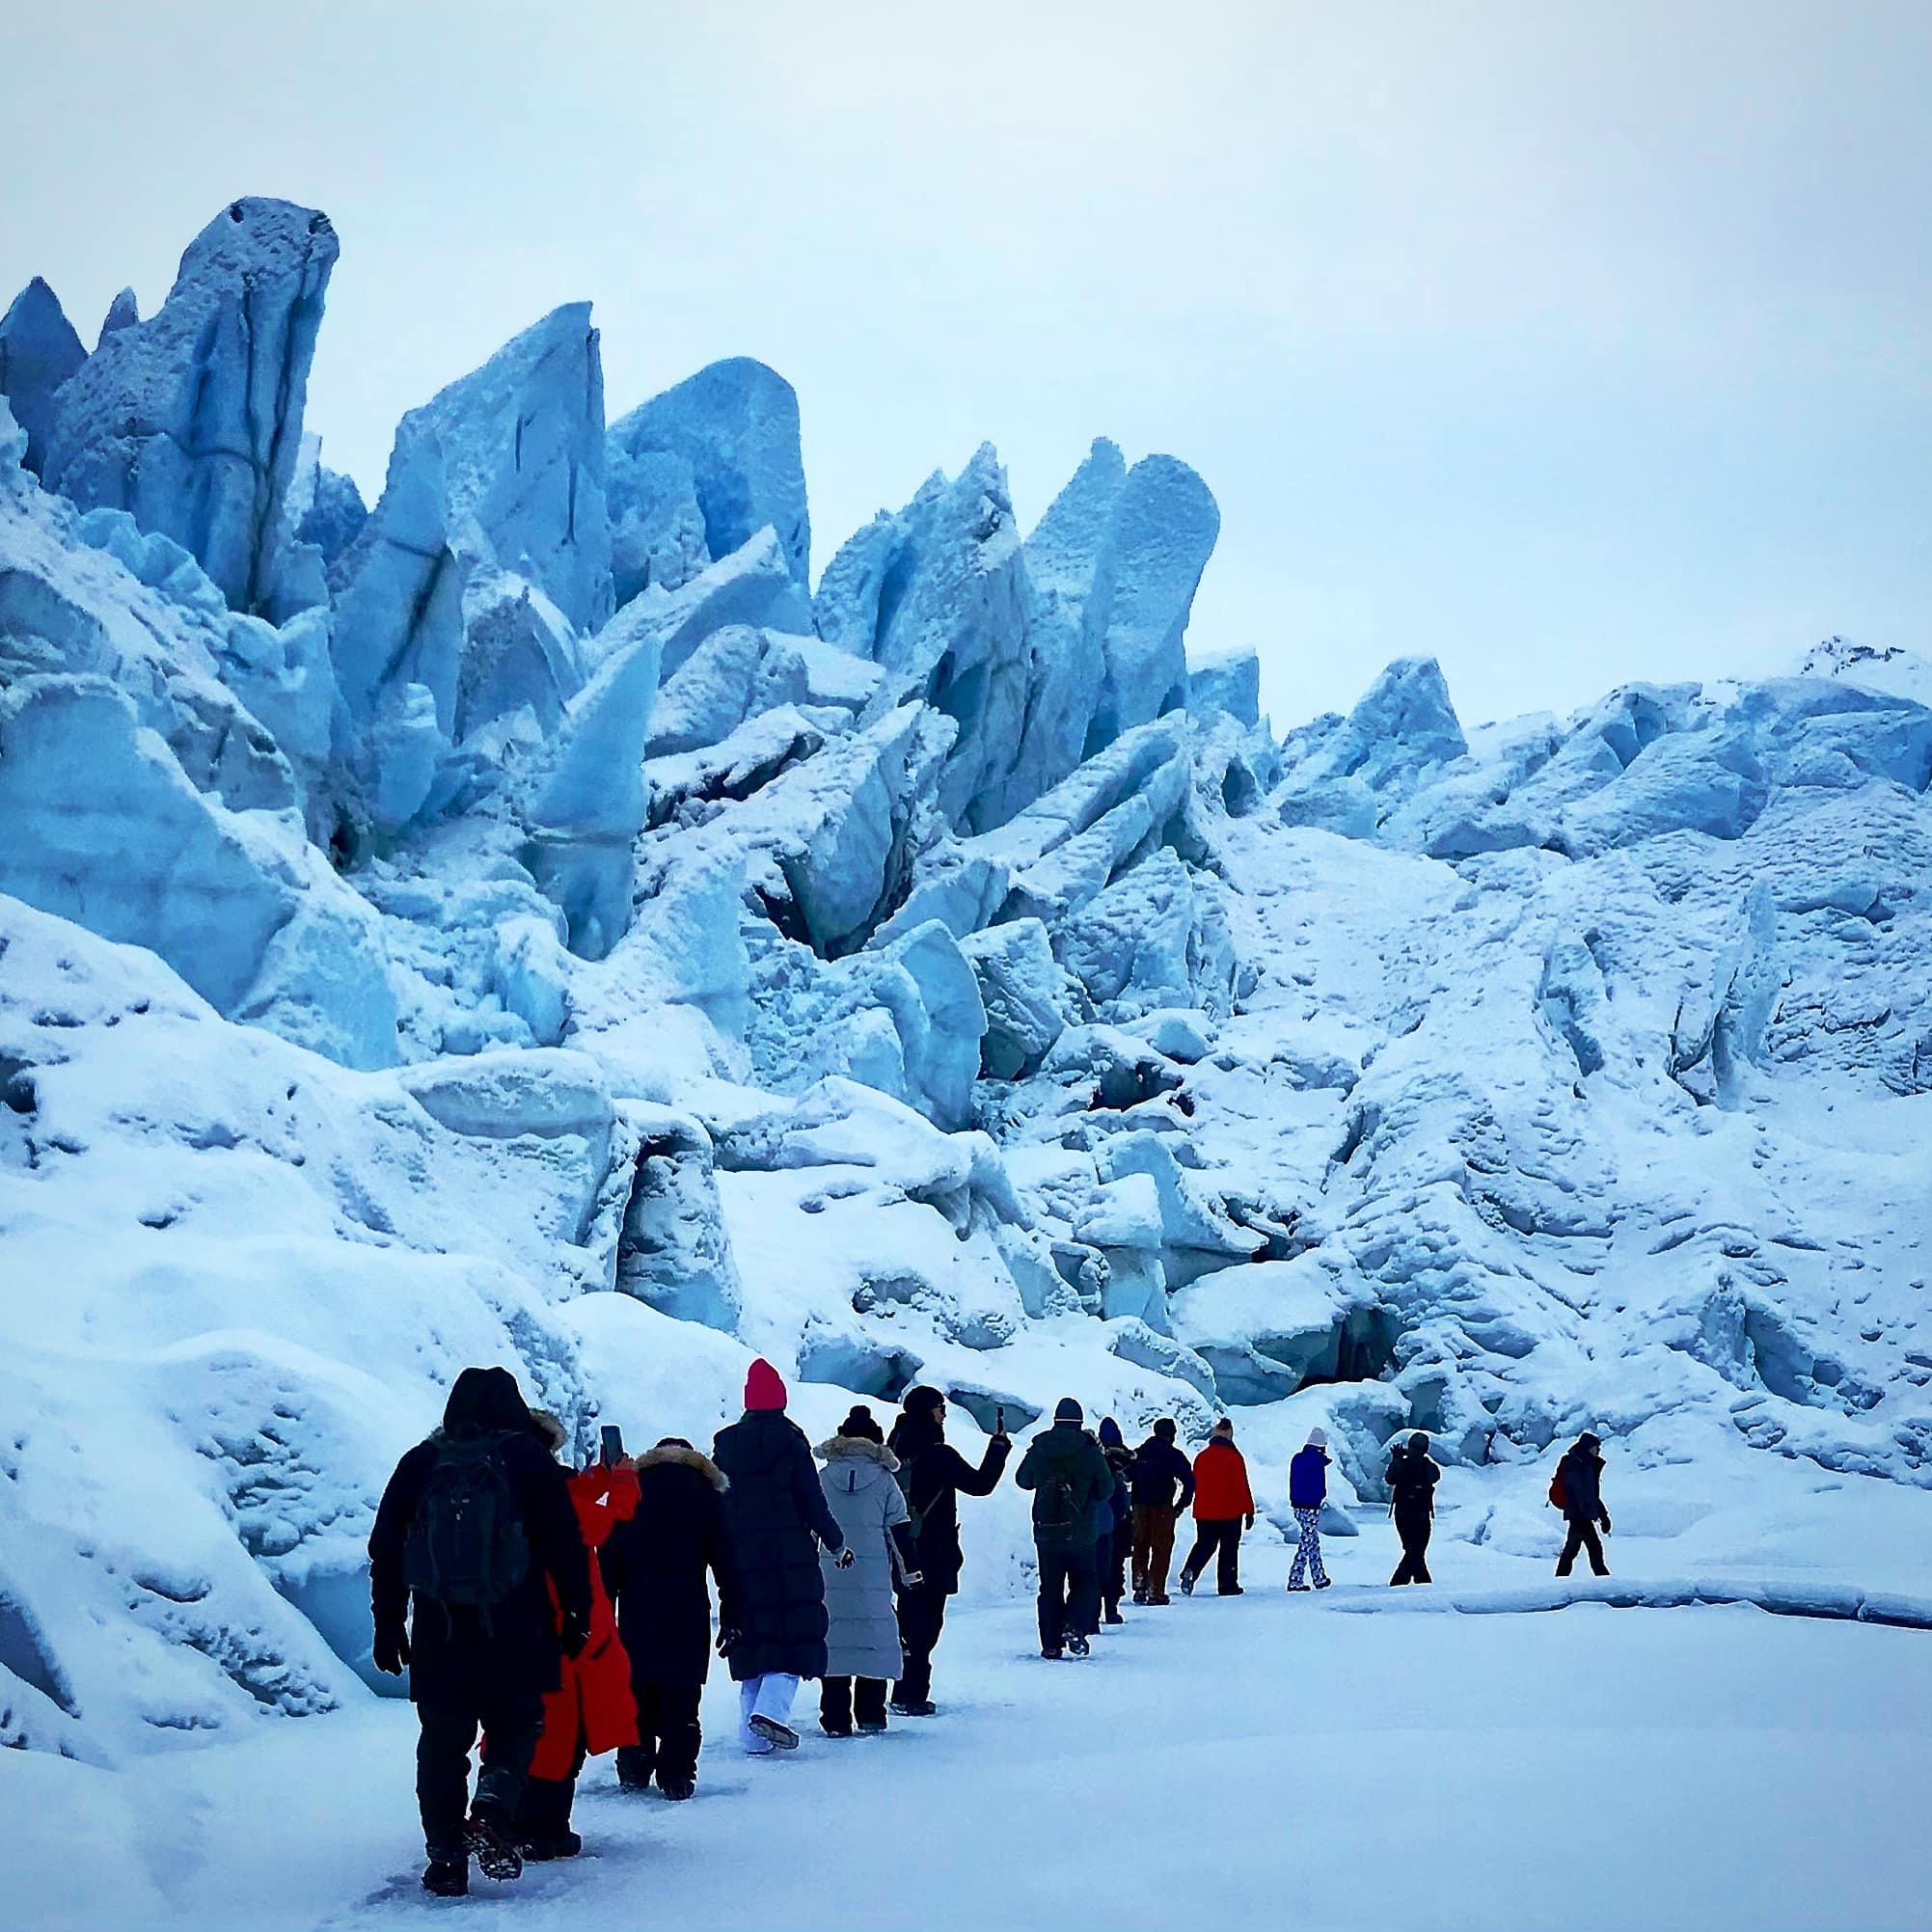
862,1650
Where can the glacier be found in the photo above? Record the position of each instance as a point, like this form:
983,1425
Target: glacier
532,922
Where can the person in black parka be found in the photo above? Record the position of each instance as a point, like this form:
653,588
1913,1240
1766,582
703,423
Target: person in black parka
656,1569
487,1660
934,1475
777,1515
1116,1546
1413,1475
1581,1476
1163,1485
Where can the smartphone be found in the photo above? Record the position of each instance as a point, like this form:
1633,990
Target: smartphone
612,1451
999,1419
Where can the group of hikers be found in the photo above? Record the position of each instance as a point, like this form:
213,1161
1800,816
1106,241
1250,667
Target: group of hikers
564,1613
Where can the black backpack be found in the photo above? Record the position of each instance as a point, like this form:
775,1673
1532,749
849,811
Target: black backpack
467,1545
1059,1518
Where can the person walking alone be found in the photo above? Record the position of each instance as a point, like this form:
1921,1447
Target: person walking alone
656,1569
1163,1485
1068,1475
471,1615
776,1512
1306,1491
863,1653
1114,1546
934,1475
1412,1479
1577,1489
1224,1504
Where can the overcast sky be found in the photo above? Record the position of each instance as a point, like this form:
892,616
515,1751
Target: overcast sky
1572,344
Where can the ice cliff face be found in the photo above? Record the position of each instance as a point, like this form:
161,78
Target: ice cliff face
526,921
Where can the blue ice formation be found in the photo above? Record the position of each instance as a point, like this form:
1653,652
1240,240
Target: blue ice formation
694,474
39,352
191,420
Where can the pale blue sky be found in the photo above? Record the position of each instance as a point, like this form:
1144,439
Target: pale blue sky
1572,343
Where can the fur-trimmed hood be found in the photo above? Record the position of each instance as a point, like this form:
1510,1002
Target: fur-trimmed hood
672,1457
857,1448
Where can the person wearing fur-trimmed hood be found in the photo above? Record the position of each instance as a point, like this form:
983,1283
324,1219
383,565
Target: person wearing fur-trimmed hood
862,1652
658,1568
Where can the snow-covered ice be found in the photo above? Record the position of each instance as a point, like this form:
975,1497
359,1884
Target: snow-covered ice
530,922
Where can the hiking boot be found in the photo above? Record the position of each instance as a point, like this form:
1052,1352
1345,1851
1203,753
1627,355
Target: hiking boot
779,1737
678,1789
916,1707
556,1845
1077,1646
1233,1590
1140,1599
875,1728
1114,1616
1158,1602
497,1857
1052,1652
833,1729
634,1768
1300,1586
1322,1581
1186,1584
447,1878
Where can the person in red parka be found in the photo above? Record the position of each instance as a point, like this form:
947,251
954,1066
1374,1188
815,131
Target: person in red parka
592,1711
1223,1507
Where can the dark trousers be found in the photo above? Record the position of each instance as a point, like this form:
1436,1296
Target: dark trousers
842,1699
1582,1536
1414,1566
1153,1549
922,1615
448,1732
668,1734
544,1811
1115,1547
1221,1540
1070,1596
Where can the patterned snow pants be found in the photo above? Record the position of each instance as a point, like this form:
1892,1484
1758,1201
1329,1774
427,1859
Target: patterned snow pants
1308,1552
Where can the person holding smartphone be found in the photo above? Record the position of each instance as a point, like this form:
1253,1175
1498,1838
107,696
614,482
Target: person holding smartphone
935,1475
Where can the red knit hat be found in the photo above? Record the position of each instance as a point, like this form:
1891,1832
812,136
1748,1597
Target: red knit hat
764,1387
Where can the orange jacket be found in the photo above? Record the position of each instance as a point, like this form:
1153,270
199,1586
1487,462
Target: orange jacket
1221,1484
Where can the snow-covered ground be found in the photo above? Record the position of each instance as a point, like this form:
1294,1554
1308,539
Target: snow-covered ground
1263,1762
534,921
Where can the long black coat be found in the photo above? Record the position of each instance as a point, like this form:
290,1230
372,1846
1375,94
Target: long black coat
456,1654
777,1515
1412,1477
1582,1484
935,1475
657,1567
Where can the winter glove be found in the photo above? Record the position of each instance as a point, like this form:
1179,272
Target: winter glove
390,1651
1604,1519
845,1559
727,1642
572,1635
1251,1519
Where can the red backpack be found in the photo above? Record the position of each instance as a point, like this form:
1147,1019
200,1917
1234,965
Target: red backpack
1557,1497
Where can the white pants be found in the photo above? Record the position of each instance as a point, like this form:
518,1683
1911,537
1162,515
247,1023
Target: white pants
770,1696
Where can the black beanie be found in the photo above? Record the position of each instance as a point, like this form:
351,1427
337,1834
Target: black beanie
923,1399
1069,1410
1165,1430
861,1422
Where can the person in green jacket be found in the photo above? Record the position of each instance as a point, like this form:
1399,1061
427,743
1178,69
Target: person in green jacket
1068,1474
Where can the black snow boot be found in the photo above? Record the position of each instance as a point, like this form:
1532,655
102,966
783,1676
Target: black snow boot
1052,1652
491,1846
916,1707
447,1878
634,1768
1114,1615
1186,1584
1076,1644
556,1845
677,1788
